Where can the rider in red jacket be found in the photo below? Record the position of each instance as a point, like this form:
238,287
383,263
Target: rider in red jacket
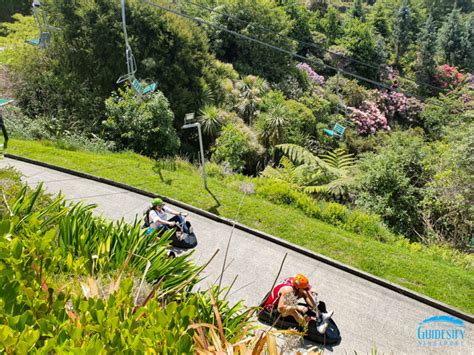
297,287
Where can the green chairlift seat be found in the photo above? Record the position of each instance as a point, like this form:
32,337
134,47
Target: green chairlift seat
137,86
132,64
43,41
4,102
44,28
336,132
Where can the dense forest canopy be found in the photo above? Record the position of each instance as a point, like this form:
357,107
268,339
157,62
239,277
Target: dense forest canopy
268,80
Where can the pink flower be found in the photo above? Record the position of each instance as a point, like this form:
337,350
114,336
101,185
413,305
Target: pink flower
368,118
312,75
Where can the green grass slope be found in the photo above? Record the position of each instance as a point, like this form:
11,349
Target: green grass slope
421,269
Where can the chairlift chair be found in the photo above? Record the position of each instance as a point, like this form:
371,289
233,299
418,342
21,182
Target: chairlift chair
132,64
4,102
44,37
336,132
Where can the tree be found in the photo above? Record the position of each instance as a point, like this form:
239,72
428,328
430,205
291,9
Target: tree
402,30
426,64
448,196
250,91
378,19
144,126
273,125
364,45
10,7
390,183
301,28
357,11
232,147
87,56
331,25
451,39
468,44
439,8
212,119
259,19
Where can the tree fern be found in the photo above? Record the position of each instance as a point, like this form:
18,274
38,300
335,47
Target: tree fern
338,164
286,172
301,155
339,159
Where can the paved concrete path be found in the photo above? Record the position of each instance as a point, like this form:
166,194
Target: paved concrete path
368,315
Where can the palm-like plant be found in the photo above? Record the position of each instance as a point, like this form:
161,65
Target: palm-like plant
212,119
251,89
102,245
344,163
297,176
273,125
336,167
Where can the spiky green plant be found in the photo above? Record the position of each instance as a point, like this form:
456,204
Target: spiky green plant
212,119
250,91
101,245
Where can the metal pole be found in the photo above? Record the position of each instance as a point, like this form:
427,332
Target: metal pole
203,160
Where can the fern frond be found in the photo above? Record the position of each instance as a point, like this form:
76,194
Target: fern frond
339,159
336,187
301,155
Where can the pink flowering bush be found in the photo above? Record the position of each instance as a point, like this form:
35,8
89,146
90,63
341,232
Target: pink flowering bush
448,77
314,77
368,118
396,105
392,103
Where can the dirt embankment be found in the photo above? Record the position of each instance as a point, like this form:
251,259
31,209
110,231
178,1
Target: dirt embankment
5,83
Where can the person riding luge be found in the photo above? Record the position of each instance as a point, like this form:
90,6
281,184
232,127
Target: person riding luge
156,219
281,302
158,216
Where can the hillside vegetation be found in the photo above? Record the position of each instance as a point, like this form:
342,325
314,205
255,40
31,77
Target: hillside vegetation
73,282
350,236
355,118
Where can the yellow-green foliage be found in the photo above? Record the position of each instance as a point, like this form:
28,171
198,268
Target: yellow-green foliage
14,44
441,274
40,244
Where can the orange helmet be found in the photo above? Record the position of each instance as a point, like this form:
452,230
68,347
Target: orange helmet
300,281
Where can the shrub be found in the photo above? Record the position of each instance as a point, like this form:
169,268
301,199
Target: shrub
368,118
231,146
352,94
61,135
335,214
390,182
276,192
448,76
319,106
313,77
368,224
144,125
56,258
215,170
352,220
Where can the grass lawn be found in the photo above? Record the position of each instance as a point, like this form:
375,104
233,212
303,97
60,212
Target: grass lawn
419,270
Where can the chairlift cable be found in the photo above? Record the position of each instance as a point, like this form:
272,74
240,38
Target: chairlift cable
288,52
352,59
